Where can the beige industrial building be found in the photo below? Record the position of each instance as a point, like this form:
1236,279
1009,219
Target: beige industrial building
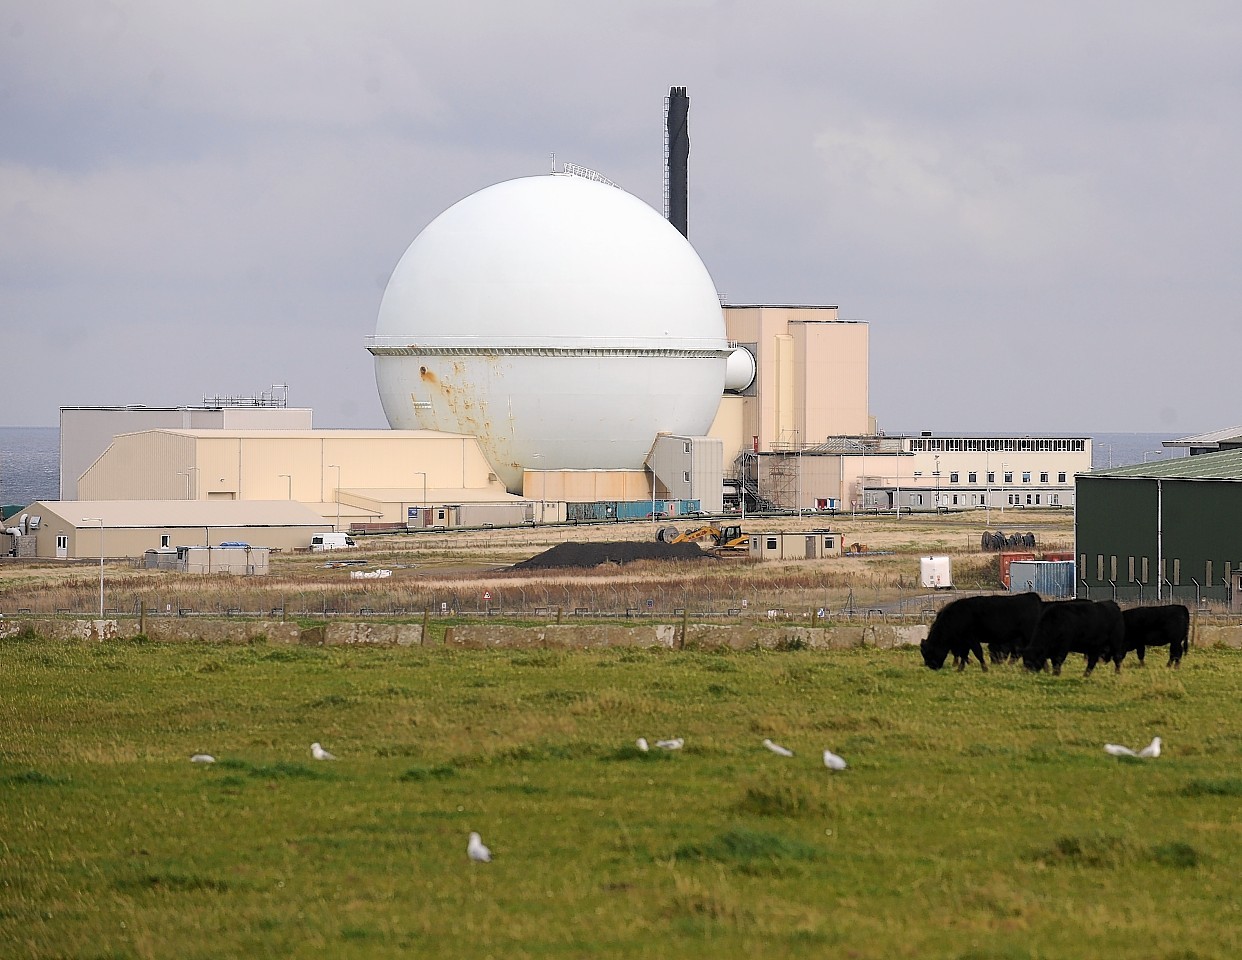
679,468
86,432
795,434
810,379
78,529
346,476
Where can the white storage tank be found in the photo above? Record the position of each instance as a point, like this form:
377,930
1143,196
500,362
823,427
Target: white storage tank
935,573
561,321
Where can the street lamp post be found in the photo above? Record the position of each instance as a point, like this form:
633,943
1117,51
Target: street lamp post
543,487
897,502
743,492
936,474
419,473
290,480
798,480
99,520
862,479
987,480
1004,496
337,496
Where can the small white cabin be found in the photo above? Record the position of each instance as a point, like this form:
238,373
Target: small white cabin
936,573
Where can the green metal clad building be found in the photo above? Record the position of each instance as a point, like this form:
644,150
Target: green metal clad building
1169,530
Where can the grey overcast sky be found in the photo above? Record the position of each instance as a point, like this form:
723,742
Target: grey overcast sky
1034,204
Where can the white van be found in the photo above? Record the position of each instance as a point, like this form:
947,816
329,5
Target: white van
331,541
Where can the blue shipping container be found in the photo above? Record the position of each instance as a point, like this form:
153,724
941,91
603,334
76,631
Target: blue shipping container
603,510
1048,578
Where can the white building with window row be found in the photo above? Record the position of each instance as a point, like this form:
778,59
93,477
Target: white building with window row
928,473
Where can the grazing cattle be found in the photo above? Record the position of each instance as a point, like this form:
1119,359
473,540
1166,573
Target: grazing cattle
1155,627
1005,623
1093,628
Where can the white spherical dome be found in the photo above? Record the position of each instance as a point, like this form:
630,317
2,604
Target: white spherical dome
561,321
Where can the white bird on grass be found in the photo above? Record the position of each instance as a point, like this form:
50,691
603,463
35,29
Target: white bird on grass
476,851
641,743
1150,751
319,753
777,748
675,744
202,758
832,761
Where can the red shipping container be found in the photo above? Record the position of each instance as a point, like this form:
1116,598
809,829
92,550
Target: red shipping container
1006,559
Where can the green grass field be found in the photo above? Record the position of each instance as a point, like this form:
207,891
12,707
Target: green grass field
979,817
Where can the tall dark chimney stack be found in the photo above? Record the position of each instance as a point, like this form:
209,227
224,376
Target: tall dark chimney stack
678,156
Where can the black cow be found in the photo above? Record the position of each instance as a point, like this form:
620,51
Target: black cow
1157,626
1005,623
1093,628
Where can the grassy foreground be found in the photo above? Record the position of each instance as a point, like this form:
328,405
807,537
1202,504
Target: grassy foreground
979,817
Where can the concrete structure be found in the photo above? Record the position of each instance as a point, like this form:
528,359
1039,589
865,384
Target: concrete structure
71,529
1169,530
86,432
810,379
924,473
689,468
551,487
237,559
795,545
347,476
558,319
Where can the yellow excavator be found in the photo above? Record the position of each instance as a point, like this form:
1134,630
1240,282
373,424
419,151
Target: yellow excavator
728,537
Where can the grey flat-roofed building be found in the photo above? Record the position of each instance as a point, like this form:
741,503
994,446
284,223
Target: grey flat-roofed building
1169,530
86,432
1229,438
71,529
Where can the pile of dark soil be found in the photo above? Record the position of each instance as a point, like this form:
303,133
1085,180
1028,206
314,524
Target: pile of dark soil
593,554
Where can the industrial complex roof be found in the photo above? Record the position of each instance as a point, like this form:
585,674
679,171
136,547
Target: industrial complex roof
180,513
435,495
1208,439
779,306
279,434
1226,465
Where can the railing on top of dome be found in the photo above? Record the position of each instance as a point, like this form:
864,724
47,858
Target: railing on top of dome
586,173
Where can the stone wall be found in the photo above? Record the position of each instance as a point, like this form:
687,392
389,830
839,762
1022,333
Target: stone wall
700,636
209,630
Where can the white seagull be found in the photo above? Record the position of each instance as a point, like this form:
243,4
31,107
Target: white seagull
476,851
832,761
319,753
675,744
641,743
777,748
202,758
1150,751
